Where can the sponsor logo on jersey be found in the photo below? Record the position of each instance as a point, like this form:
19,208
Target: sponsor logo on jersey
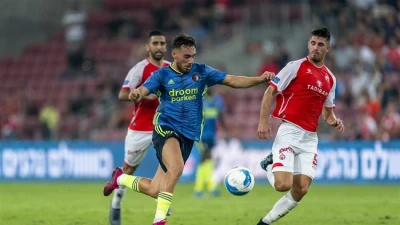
183,94
317,89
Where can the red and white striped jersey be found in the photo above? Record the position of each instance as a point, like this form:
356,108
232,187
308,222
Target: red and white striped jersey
144,110
303,91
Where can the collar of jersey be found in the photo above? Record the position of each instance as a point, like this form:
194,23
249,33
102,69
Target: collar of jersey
176,71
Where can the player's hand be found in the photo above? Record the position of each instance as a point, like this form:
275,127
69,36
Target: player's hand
134,95
264,130
267,76
339,125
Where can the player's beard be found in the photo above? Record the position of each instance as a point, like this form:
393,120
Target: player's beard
317,58
157,55
182,68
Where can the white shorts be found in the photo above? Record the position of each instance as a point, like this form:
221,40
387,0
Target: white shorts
295,150
136,145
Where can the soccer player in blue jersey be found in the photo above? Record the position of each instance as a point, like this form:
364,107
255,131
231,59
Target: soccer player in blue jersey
213,108
179,120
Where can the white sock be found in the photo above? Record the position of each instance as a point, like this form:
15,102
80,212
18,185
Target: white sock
270,176
280,209
117,198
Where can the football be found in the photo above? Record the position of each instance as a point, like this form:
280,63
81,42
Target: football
239,181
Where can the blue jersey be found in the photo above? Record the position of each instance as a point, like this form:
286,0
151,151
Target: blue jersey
212,107
181,97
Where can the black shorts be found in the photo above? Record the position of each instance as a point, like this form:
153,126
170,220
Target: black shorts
160,136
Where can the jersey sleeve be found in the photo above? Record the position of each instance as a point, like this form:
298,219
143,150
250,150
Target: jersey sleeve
214,76
154,82
330,99
133,78
285,76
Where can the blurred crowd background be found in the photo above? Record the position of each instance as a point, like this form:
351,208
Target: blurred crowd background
62,63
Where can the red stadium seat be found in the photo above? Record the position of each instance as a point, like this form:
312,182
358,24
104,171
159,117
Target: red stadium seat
98,20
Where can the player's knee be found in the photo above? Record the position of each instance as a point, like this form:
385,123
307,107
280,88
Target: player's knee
282,185
176,170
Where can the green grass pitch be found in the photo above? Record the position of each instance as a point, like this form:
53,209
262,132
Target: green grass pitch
84,204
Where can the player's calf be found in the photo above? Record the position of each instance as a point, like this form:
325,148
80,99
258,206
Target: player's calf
129,169
301,183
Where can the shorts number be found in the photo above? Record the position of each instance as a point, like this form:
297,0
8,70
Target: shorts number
315,161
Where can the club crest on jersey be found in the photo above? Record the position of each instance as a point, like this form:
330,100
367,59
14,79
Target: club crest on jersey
326,78
319,83
195,78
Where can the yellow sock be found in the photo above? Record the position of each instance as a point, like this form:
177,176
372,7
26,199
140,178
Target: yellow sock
129,181
208,174
163,202
200,178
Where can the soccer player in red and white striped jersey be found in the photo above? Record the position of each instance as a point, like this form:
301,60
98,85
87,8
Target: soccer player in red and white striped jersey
304,89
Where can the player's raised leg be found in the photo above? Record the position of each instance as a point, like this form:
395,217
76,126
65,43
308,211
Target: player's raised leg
121,179
136,183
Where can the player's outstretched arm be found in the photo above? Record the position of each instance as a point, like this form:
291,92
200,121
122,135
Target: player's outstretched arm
137,94
246,82
329,117
264,129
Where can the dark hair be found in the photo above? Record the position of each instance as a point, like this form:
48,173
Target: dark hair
183,40
322,32
155,33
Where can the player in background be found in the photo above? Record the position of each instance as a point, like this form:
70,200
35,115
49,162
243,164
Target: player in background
303,89
138,137
213,108
178,120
